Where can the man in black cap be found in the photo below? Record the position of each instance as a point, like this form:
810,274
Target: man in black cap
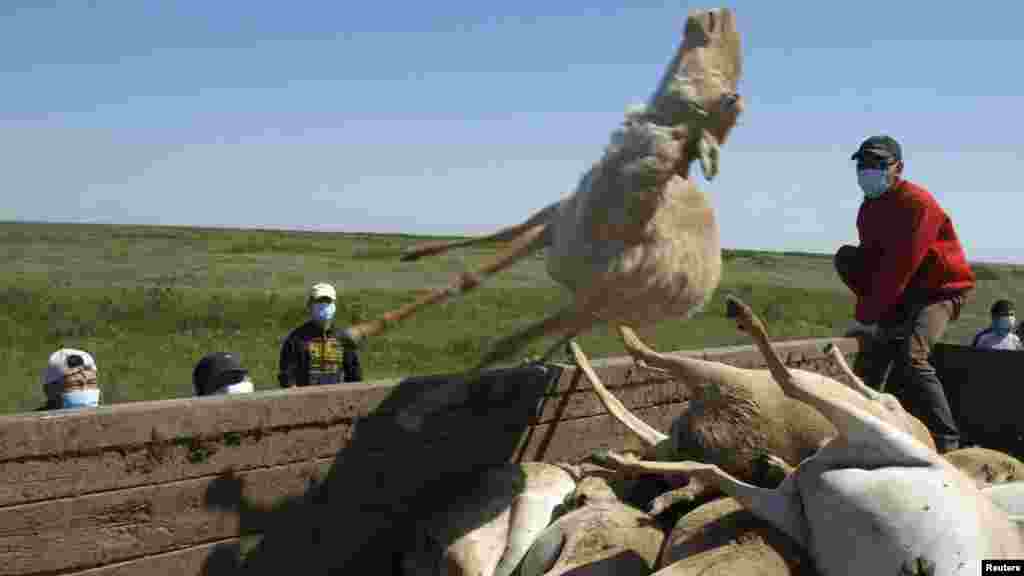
220,373
911,277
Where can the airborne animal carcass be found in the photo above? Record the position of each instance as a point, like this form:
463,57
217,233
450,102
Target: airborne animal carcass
636,241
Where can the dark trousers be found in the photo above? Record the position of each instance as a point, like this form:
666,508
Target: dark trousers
900,355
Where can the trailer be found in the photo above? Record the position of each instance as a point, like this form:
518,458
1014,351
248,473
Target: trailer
322,480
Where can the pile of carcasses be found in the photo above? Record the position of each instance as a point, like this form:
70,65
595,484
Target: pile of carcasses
736,488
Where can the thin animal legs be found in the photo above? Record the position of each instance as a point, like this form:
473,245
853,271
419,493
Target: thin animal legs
780,506
528,242
615,407
508,233
855,425
683,368
570,320
559,345
858,384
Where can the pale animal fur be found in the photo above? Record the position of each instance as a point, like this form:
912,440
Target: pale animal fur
603,536
734,417
720,537
874,499
985,466
1010,497
905,420
636,241
488,531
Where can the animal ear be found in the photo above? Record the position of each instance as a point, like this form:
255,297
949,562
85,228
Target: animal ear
732,306
708,153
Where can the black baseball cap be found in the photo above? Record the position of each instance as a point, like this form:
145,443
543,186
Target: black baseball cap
215,370
881,146
1002,308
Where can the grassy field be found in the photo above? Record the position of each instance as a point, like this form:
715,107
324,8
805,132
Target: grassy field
148,302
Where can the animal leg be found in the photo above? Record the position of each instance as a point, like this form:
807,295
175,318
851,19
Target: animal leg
509,233
685,370
569,320
529,241
780,506
559,345
857,384
647,367
693,491
616,408
855,425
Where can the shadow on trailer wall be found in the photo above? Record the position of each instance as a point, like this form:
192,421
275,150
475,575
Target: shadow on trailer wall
985,389
318,480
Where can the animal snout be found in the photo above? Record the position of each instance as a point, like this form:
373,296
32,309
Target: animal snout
732,103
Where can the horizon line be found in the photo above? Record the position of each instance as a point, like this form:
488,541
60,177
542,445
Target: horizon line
327,230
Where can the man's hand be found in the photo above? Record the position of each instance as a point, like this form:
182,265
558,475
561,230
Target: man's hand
858,329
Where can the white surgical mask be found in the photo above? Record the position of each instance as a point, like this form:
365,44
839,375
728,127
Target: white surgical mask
873,182
1003,324
243,387
88,398
323,312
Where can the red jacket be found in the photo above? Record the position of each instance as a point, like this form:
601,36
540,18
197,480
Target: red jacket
905,235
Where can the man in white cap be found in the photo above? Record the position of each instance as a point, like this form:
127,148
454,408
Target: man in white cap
312,354
70,380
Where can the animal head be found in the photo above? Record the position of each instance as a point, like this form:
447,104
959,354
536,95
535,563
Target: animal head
698,90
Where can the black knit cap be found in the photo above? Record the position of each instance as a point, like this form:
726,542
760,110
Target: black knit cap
215,370
1002,308
881,146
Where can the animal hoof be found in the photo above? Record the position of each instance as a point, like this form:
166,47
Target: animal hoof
732,307
409,421
658,506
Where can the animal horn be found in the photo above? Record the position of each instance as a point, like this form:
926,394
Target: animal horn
644,431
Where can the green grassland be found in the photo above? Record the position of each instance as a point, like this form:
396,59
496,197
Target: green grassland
149,301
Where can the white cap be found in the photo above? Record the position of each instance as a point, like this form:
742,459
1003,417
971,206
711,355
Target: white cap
321,290
57,367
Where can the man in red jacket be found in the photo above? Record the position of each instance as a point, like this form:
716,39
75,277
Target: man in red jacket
910,277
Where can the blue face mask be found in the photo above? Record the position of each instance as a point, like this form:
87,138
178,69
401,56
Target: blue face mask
1004,324
873,182
89,398
322,312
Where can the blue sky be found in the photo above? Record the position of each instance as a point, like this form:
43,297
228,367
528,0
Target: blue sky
462,117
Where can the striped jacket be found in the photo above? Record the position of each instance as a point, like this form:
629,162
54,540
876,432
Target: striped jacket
311,355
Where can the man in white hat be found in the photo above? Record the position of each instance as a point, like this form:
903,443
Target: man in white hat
312,354
70,380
